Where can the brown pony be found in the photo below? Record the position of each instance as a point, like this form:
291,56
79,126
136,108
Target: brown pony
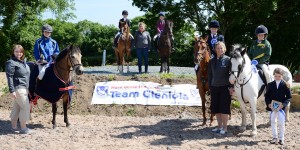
57,83
201,59
124,44
164,47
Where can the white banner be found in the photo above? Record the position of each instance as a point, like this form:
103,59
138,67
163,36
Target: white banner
145,93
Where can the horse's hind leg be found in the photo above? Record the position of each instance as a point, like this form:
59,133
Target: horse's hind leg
128,59
287,113
54,109
168,64
65,106
161,65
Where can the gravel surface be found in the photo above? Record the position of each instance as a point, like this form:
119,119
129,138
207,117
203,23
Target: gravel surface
134,70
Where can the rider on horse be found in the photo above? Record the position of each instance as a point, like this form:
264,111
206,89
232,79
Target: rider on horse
45,49
214,37
124,19
261,51
160,25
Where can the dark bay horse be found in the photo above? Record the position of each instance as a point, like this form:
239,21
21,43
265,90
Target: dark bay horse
164,47
201,59
124,45
57,82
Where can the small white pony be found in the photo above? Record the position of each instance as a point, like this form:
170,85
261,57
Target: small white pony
247,83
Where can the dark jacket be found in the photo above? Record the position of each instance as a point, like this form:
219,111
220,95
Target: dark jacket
17,73
122,20
257,49
47,47
212,40
142,40
218,71
282,94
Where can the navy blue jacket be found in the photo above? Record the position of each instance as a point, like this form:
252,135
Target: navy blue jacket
211,42
282,94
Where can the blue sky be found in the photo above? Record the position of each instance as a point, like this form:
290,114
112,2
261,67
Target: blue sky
105,12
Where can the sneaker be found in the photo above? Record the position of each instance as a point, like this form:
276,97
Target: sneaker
14,130
25,131
217,130
273,141
281,142
223,132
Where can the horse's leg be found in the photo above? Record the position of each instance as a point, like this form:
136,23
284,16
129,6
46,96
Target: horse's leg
165,64
161,65
203,100
168,64
243,110
128,59
117,57
54,109
253,115
121,58
65,106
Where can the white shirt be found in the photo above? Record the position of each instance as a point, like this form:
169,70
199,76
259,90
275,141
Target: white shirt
277,83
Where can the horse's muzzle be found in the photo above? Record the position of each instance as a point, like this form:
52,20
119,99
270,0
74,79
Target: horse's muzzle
79,70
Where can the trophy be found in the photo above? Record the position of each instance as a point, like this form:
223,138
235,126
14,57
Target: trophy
275,105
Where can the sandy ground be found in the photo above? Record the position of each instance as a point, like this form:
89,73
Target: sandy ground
111,127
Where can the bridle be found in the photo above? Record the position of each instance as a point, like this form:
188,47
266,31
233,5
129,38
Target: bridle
239,71
202,51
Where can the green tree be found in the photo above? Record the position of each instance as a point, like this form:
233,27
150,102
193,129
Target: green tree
20,22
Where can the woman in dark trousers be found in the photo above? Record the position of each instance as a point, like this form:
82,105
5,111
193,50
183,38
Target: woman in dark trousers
17,73
142,43
220,88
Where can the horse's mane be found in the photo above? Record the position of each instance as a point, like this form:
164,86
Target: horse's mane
236,51
68,49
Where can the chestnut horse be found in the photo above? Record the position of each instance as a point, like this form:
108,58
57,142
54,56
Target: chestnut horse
201,59
164,47
124,44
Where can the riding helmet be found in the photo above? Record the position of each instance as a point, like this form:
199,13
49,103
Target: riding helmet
161,14
124,12
214,24
47,28
261,29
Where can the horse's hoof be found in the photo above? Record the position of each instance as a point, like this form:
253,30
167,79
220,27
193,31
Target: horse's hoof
286,123
54,126
243,128
68,125
254,133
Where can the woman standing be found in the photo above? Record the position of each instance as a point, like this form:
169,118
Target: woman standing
220,88
142,43
17,73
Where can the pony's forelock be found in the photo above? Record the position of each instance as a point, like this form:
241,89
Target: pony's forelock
236,51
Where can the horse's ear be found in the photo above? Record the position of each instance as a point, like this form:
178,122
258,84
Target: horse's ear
206,38
244,50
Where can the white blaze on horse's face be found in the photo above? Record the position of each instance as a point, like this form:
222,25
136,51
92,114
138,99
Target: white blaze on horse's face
235,63
76,62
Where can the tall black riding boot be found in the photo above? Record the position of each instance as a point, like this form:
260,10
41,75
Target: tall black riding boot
140,69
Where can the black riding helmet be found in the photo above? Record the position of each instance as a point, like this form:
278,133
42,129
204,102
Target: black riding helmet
261,29
161,14
47,28
214,24
124,12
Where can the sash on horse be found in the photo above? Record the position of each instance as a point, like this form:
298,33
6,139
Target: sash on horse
51,88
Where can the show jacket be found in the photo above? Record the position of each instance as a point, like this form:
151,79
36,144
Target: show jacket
212,40
282,94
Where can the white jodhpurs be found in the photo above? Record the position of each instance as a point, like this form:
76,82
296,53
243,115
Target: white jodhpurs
278,117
